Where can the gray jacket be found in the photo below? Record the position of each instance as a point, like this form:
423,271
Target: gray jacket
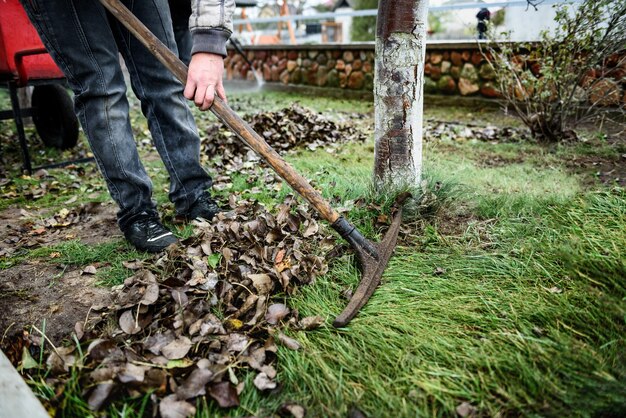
211,24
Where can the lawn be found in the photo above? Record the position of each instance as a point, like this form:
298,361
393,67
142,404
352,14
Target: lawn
506,295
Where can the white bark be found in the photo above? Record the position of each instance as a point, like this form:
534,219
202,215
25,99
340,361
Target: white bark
398,93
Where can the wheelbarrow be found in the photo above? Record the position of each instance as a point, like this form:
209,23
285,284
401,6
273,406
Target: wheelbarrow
25,62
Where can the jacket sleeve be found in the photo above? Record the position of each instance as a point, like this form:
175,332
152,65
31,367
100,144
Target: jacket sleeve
211,24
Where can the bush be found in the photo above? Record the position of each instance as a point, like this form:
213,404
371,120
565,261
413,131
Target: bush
364,27
573,74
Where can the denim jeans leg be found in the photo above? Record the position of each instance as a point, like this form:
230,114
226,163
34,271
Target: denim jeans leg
170,120
78,36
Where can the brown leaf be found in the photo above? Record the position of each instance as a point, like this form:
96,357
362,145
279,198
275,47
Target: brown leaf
132,373
151,294
100,395
211,325
133,265
288,341
466,409
282,266
224,394
156,342
270,371
237,342
195,384
89,270
177,349
279,257
311,229
180,297
263,382
292,410
101,349
171,407
262,283
439,271
276,312
311,322
247,305
128,324
79,330
555,289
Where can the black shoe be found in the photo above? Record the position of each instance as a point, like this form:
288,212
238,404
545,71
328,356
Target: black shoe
205,207
148,234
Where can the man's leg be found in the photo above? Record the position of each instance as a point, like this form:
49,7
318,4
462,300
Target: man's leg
170,120
78,36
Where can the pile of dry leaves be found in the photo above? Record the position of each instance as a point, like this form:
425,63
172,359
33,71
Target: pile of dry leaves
196,320
216,311
450,131
291,127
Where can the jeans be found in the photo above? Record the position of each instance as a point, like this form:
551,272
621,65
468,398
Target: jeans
84,40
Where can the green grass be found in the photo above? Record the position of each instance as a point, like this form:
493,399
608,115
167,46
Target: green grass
77,254
527,318
488,331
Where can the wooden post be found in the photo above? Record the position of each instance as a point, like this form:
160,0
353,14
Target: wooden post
16,398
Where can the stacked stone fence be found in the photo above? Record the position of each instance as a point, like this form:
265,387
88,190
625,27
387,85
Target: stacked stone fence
451,68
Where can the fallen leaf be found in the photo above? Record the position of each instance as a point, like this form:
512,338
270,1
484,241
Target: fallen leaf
79,330
195,384
262,283
311,322
288,341
101,349
151,294
439,271
237,343
133,265
156,342
311,229
171,407
71,200
269,370
28,362
128,324
224,394
180,297
182,363
276,312
292,410
466,409
100,395
132,373
279,257
263,382
177,349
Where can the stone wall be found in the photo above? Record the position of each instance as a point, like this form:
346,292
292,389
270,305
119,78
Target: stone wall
338,66
452,68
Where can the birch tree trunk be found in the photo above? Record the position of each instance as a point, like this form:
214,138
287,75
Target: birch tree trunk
398,92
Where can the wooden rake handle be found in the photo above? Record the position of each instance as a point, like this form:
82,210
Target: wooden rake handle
223,112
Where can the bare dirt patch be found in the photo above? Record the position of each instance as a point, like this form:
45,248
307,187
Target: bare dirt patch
92,223
37,291
494,160
611,172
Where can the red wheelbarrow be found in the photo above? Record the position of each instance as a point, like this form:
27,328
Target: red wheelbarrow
25,62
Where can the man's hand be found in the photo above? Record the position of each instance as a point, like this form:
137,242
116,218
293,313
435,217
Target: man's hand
204,79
